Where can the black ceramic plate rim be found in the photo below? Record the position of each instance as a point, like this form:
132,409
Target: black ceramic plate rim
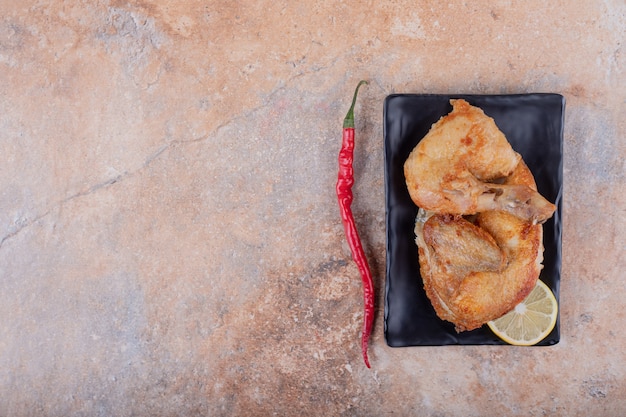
444,333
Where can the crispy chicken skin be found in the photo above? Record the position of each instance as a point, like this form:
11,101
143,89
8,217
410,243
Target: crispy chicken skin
478,230
460,246
455,167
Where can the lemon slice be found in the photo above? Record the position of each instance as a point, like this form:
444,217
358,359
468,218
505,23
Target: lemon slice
531,320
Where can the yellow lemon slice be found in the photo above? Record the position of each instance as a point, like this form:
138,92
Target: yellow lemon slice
531,320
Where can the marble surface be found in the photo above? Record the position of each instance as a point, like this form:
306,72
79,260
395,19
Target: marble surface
170,242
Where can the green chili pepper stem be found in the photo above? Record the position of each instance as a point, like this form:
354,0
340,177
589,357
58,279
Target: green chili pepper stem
348,122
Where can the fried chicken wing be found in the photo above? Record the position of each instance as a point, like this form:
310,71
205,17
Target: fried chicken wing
459,245
456,166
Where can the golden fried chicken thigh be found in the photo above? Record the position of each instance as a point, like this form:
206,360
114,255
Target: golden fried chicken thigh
455,168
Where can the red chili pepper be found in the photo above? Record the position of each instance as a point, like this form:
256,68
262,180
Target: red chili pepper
344,193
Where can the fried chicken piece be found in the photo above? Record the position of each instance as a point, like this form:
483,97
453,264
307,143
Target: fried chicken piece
476,271
478,230
455,168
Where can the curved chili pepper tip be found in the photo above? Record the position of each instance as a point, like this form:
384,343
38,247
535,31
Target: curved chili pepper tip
348,122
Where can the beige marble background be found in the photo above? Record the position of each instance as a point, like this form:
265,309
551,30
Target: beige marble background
170,242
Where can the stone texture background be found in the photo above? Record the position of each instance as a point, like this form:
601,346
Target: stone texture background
170,242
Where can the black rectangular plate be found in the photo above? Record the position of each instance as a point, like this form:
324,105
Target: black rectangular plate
533,124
